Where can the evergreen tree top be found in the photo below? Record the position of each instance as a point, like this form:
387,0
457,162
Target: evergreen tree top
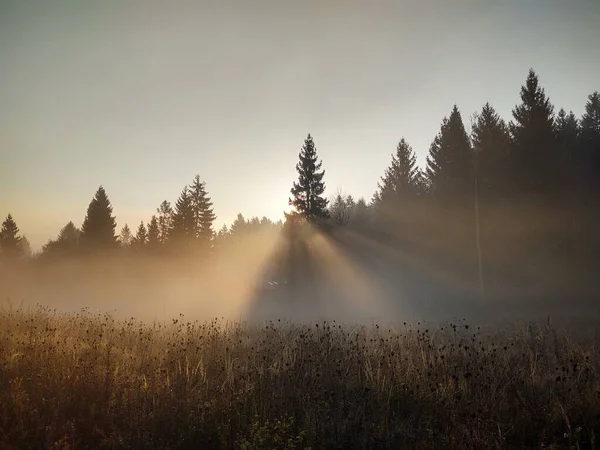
402,177
10,241
98,229
567,123
202,209
69,233
449,164
590,122
308,191
9,227
488,127
535,107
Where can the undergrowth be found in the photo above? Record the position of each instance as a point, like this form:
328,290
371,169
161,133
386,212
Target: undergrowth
91,381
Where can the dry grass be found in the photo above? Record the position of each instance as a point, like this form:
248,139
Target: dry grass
90,381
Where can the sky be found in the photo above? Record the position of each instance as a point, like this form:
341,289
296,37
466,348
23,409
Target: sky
141,96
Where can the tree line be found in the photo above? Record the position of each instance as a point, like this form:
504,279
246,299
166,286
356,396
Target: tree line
524,190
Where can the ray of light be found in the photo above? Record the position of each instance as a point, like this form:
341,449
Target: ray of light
347,286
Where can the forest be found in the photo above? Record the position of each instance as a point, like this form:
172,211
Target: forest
343,326
506,212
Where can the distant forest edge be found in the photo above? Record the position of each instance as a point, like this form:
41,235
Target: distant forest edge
511,204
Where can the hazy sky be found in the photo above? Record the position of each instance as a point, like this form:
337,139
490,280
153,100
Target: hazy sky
141,96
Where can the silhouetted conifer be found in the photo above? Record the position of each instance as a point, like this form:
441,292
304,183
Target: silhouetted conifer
239,226
139,241
340,210
450,161
203,213
401,184
534,158
26,248
10,241
361,216
98,229
308,191
491,146
70,233
590,144
569,155
153,233
183,231
165,221
66,243
125,236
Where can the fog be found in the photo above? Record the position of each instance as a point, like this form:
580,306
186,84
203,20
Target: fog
341,275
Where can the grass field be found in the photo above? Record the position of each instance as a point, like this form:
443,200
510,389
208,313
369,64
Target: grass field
91,381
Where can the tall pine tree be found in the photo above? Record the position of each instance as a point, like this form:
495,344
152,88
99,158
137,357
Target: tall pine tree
165,221
69,233
361,216
590,175
183,231
491,149
239,226
66,243
450,161
402,180
98,229
534,160
139,241
10,241
202,210
491,146
308,192
125,236
153,234
340,211
569,156
590,144
26,251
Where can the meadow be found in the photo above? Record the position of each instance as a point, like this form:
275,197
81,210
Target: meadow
86,380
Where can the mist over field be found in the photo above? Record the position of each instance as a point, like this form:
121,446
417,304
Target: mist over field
299,225
345,277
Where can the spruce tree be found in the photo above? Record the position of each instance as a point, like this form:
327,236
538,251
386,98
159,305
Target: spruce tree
125,236
221,237
567,137
340,210
265,222
203,212
590,176
26,251
435,161
450,161
223,231
361,216
183,229
254,224
141,237
98,229
401,182
67,242
69,233
308,191
570,164
165,221
590,144
153,233
491,146
239,226
10,241
534,162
